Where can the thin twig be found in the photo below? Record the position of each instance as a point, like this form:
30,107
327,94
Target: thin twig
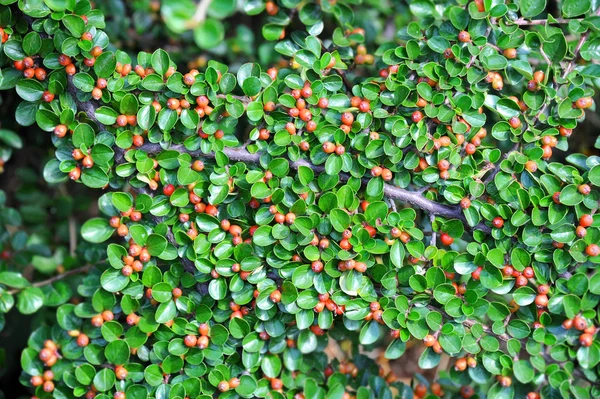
543,53
474,56
433,232
56,278
393,206
72,235
580,44
470,323
496,168
559,21
199,16
244,99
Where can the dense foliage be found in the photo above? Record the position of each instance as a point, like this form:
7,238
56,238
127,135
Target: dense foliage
358,186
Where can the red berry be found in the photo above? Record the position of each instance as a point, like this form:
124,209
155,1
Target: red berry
528,272
521,281
586,220
464,36
446,239
541,300
477,273
168,190
498,222
592,250
586,339
417,116
347,118
584,189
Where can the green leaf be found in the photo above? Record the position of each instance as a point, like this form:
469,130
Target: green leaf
13,279
94,177
30,362
575,8
594,175
160,61
30,300
531,8
156,244
32,43
113,280
30,90
122,201
369,334
271,365
523,371
105,66
165,312
340,220
209,33
96,230
104,380
83,136
84,82
10,138
117,352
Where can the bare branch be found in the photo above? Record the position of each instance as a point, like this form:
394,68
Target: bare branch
88,107
411,197
56,278
470,323
578,47
199,16
244,99
559,21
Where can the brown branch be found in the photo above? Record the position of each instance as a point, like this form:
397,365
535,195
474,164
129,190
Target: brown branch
578,47
558,21
345,80
88,107
199,15
496,168
468,323
56,278
411,197
568,69
188,265
244,99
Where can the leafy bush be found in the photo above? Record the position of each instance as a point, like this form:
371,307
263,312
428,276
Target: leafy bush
407,181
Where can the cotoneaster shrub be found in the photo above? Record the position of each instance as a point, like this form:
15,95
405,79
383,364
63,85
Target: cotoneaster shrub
365,193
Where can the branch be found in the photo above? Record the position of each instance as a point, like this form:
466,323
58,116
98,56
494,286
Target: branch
241,154
244,99
411,197
496,168
558,21
88,107
580,44
468,323
199,16
345,80
56,278
433,232
188,265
